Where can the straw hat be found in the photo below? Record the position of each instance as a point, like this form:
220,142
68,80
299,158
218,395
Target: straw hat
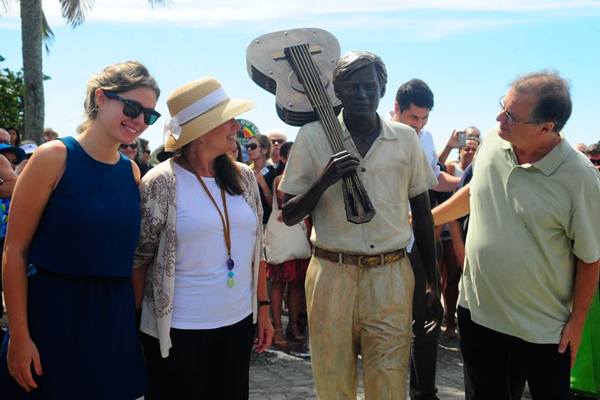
197,108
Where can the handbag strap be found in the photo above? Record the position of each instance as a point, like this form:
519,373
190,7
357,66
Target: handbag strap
275,205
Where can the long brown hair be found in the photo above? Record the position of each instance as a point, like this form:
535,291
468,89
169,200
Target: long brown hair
227,173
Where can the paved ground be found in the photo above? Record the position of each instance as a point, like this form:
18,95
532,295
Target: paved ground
278,375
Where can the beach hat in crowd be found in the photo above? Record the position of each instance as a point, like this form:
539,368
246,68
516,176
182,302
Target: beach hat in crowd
198,107
28,148
7,148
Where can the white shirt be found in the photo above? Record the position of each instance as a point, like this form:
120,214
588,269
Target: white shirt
202,298
426,140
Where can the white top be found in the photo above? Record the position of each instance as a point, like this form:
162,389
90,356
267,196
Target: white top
202,298
458,171
426,140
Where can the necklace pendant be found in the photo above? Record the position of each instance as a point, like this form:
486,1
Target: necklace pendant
230,281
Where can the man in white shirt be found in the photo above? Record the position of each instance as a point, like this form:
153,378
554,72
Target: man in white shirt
414,101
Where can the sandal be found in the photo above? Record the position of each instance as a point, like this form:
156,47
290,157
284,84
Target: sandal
294,334
279,340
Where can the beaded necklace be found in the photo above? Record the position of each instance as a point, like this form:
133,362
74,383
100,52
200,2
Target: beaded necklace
226,228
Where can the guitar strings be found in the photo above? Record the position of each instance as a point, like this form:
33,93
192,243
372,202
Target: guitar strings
309,74
324,107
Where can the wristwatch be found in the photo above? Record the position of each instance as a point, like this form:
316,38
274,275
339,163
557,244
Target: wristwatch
264,303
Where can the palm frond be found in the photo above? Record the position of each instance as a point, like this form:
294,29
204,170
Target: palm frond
74,11
47,33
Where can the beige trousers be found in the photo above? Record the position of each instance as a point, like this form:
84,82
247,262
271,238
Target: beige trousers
360,310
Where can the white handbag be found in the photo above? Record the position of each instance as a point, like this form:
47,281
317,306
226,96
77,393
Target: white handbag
282,242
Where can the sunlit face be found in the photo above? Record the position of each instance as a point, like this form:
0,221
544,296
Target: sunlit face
595,159
415,117
466,153
277,139
255,150
129,149
4,136
360,92
221,139
110,115
13,136
516,125
11,157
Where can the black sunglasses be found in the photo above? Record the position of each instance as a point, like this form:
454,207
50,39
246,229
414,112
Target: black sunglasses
132,109
277,141
251,146
124,146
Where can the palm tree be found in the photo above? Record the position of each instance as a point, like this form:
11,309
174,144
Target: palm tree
34,29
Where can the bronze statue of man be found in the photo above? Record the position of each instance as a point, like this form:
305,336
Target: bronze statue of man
359,284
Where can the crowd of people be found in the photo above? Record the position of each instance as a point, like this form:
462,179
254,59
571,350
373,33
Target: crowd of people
174,265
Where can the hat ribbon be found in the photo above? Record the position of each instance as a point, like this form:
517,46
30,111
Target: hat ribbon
197,108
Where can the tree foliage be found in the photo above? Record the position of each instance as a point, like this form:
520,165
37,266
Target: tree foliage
12,89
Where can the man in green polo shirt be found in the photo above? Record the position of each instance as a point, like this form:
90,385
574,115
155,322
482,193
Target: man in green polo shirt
533,250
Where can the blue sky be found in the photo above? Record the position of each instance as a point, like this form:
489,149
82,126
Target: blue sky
467,51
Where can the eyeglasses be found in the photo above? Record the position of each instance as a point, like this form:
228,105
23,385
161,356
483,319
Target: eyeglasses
511,119
133,109
277,141
251,146
125,146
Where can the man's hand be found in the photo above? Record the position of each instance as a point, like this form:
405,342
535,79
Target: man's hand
339,165
435,311
571,337
453,140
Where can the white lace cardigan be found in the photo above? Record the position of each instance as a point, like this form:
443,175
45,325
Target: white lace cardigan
157,246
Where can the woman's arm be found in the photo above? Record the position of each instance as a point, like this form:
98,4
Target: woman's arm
31,193
154,193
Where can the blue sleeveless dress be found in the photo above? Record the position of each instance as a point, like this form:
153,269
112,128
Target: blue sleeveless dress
80,298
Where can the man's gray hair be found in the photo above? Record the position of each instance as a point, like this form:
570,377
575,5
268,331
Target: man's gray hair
552,94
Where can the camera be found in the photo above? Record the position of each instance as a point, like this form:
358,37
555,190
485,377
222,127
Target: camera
462,139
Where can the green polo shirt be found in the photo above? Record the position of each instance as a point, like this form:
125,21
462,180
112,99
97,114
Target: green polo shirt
528,225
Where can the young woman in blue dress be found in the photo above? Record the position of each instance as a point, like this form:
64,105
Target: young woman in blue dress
74,223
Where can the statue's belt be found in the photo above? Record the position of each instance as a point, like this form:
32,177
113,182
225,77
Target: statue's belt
368,260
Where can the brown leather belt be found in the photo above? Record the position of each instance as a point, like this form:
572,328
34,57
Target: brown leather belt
373,260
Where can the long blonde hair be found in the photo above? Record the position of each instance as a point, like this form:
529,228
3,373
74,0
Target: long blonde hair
117,78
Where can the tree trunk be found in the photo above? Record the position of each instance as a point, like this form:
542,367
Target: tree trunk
31,31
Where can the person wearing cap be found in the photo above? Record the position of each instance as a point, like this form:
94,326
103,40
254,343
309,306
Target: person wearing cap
200,275
28,146
74,223
13,154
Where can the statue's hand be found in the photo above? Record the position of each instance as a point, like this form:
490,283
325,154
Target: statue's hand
339,165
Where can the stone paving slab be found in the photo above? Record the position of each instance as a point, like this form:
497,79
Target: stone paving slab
278,375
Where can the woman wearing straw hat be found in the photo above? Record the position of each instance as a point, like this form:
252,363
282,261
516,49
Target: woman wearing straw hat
199,254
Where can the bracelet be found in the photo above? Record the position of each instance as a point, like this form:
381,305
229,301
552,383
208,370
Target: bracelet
264,303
